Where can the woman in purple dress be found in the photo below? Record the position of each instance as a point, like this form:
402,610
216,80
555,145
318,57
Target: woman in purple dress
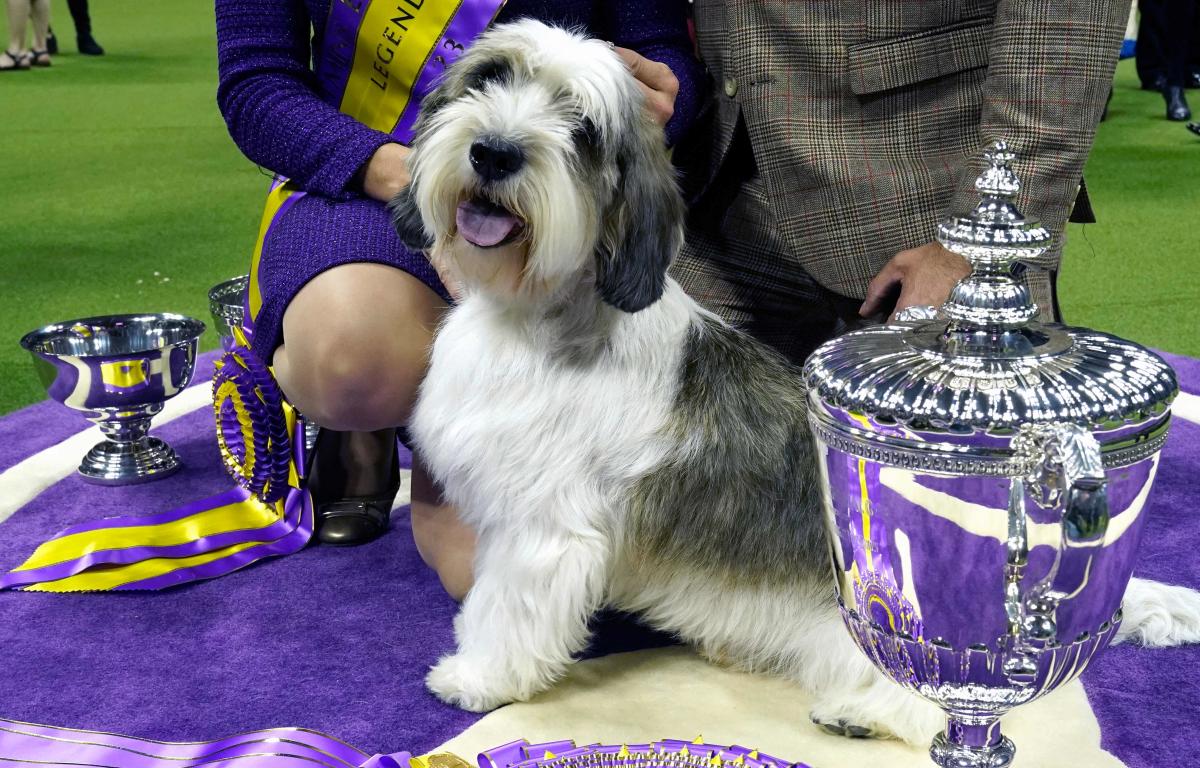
347,313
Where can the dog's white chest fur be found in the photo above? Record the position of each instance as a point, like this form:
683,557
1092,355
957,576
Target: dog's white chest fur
516,428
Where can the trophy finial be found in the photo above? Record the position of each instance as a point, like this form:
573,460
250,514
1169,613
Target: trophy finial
998,180
992,238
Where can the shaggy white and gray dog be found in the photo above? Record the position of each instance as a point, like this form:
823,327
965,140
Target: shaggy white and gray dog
611,442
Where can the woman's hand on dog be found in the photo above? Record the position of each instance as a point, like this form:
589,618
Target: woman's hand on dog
657,81
386,173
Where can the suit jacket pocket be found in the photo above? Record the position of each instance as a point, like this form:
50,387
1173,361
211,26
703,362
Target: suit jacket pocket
883,65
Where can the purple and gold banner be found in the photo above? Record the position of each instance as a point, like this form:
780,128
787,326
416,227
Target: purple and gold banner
378,61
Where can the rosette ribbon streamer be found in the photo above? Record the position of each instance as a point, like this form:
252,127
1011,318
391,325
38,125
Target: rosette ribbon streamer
261,437
300,748
269,513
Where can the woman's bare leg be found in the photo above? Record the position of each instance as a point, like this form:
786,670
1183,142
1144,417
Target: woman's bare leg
446,543
41,23
18,23
356,347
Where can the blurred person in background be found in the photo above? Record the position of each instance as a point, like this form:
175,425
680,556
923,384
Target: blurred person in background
83,30
16,55
1168,51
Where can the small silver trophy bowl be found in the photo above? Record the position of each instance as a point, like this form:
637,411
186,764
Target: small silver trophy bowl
227,302
119,371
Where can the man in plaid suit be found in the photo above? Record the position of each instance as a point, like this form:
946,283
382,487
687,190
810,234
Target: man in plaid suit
842,131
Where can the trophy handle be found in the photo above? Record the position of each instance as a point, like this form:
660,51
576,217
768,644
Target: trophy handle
1066,471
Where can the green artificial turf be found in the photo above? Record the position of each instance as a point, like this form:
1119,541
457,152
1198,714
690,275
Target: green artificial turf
1136,272
120,191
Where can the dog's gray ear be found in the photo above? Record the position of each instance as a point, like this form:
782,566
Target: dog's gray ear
406,219
643,228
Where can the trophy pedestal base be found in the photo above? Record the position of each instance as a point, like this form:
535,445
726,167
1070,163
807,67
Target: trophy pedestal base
947,754
111,463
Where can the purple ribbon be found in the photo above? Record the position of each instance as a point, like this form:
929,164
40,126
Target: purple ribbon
273,748
285,536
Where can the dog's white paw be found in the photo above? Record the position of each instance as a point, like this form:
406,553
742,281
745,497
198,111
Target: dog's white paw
473,685
1159,615
905,717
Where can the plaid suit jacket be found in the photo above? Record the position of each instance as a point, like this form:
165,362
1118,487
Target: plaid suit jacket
868,118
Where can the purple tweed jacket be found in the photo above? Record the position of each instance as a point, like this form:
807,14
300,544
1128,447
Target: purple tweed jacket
868,119
269,99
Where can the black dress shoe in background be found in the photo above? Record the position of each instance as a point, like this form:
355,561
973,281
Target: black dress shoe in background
1177,106
88,46
1193,80
1159,83
51,42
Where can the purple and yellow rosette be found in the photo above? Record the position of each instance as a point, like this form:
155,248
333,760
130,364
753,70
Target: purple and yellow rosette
254,426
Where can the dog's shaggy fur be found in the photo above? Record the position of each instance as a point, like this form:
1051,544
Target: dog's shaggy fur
610,441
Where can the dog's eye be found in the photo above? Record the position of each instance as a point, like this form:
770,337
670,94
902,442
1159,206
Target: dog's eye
489,72
586,134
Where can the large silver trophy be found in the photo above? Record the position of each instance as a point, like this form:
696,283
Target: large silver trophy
984,482
119,371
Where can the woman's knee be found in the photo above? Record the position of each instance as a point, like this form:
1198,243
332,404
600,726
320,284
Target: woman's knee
356,346
360,381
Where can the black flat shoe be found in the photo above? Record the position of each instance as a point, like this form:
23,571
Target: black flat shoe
1177,106
347,521
51,42
88,46
350,522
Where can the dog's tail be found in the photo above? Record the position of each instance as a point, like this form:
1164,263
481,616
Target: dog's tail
1159,615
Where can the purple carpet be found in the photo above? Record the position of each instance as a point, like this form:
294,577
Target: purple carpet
339,640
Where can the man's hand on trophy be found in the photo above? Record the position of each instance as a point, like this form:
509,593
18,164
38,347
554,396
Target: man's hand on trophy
922,276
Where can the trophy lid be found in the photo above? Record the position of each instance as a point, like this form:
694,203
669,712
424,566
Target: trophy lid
984,363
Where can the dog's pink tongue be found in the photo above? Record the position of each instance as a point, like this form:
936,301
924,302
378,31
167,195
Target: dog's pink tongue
483,224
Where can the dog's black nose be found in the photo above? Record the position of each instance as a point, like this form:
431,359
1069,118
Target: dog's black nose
495,159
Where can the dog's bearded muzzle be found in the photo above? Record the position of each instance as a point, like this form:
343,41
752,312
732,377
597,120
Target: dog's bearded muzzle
481,219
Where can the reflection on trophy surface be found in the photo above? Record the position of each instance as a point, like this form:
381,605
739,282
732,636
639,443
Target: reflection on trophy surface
119,370
984,479
227,302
